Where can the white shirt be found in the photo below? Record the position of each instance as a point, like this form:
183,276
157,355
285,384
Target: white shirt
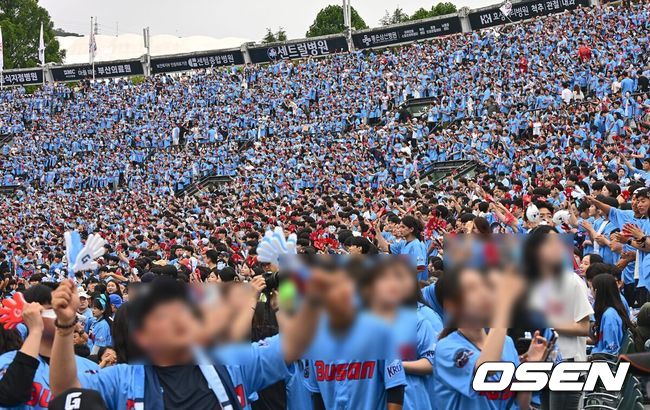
564,300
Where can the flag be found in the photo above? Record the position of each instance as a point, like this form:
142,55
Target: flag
41,48
92,47
506,8
2,60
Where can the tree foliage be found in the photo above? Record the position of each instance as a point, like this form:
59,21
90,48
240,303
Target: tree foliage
398,16
330,21
271,37
21,26
439,9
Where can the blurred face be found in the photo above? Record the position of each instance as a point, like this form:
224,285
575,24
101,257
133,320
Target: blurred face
386,290
476,307
111,287
213,278
170,327
339,298
551,252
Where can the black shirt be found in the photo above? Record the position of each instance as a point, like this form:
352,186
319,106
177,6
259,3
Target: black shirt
184,387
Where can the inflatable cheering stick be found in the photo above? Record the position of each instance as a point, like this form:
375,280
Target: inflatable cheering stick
11,312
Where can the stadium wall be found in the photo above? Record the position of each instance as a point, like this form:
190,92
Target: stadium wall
466,20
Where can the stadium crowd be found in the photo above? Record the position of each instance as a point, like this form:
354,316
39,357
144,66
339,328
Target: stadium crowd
555,111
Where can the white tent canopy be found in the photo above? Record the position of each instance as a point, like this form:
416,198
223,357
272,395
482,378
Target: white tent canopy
128,46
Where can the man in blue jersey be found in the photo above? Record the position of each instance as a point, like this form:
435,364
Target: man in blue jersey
410,229
175,374
25,373
354,361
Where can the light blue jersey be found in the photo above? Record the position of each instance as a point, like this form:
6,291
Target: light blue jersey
354,370
610,333
415,340
251,367
416,252
41,393
454,369
298,397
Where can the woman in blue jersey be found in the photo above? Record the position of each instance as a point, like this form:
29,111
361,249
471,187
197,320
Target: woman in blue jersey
410,229
612,319
472,304
390,293
101,327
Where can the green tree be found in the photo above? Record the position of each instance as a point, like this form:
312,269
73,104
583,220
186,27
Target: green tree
398,16
439,9
281,35
420,14
269,37
21,26
330,21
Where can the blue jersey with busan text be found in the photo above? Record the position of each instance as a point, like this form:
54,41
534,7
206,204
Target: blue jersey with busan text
251,367
415,340
455,361
610,333
353,370
41,394
416,252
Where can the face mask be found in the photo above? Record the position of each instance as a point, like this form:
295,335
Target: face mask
221,265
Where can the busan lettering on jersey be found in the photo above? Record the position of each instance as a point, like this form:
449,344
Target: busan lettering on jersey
344,371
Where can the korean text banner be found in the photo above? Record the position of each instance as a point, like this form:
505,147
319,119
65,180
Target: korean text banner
24,77
410,32
522,11
102,70
297,50
194,61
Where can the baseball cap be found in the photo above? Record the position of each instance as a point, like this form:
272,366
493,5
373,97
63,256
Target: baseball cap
115,300
78,399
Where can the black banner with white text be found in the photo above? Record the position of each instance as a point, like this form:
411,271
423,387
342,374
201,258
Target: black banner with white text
195,61
102,70
302,49
406,33
24,77
522,11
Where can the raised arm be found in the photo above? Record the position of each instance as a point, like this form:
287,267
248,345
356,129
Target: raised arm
63,367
